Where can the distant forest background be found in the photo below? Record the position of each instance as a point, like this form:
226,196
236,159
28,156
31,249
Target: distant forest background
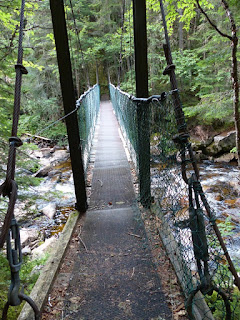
101,38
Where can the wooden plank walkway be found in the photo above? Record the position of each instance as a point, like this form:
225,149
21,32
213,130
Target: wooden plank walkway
112,275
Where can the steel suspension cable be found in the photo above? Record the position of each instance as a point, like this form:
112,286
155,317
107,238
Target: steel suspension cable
73,60
80,44
9,187
10,229
130,46
183,140
121,43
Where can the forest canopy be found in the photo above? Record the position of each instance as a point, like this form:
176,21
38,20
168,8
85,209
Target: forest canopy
101,38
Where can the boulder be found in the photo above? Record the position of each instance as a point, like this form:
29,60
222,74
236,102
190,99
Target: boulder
200,156
26,251
61,155
201,145
228,142
46,152
54,173
43,172
28,235
57,163
227,157
44,248
221,144
49,210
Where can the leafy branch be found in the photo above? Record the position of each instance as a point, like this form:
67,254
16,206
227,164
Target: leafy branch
211,23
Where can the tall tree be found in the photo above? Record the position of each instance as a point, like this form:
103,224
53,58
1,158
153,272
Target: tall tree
234,72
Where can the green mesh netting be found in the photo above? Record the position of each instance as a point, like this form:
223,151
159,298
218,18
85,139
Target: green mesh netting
184,225
134,122
89,104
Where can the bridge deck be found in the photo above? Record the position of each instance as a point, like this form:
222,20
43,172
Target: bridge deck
111,275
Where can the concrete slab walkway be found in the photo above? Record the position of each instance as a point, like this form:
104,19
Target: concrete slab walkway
113,276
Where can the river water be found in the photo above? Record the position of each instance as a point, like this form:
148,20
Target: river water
221,184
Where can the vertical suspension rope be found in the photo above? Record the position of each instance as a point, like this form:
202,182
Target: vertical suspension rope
10,229
183,140
130,45
80,45
121,44
9,187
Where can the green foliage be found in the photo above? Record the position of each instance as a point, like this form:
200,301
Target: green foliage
216,304
28,181
181,10
226,227
224,280
202,65
214,106
28,279
234,150
8,37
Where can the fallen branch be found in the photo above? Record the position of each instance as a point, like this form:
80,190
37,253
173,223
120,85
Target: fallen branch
133,272
81,240
101,183
134,235
38,137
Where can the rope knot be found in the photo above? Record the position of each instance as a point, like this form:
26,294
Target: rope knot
197,186
181,138
21,67
169,69
11,192
6,188
17,142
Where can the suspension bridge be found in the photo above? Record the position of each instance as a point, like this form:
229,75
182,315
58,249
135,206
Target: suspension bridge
112,274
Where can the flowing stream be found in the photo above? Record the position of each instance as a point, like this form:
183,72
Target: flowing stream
221,184
56,194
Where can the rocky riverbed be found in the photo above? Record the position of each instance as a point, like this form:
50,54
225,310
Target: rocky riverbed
218,148
221,184
42,209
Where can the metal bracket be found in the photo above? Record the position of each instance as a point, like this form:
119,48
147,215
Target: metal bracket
14,256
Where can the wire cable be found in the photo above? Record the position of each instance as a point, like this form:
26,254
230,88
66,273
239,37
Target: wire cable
121,44
80,45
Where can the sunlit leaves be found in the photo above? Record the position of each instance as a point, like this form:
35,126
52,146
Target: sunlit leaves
179,10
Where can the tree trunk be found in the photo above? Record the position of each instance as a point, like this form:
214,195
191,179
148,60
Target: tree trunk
234,75
180,32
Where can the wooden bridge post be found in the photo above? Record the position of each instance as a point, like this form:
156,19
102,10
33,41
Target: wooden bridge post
69,103
141,70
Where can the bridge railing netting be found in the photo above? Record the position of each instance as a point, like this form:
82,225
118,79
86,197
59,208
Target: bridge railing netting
187,233
88,109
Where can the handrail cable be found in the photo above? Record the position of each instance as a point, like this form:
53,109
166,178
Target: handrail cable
78,103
